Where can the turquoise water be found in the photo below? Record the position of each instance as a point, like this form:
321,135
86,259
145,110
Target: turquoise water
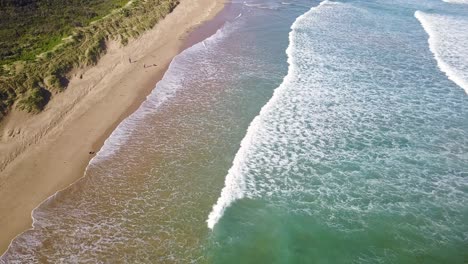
350,147
361,154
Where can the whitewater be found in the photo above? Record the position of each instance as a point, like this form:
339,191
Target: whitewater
448,40
235,185
363,145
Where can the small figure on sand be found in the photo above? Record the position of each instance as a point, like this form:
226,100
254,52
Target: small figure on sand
129,60
152,65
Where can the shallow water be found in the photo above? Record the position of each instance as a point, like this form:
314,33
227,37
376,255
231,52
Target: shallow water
359,156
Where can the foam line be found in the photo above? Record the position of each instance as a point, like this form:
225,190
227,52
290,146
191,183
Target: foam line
456,1
235,182
447,40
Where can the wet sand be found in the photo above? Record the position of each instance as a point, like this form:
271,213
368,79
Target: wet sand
42,154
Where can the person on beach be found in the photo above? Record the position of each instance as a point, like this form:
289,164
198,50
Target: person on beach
129,60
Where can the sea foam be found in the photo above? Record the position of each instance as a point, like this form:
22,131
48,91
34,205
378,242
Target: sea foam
448,37
456,1
235,183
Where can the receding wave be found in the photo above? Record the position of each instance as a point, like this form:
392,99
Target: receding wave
448,39
235,183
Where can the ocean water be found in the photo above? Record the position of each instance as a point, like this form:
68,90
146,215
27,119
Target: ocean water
300,132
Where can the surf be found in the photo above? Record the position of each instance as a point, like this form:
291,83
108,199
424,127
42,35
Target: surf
456,1
235,182
447,41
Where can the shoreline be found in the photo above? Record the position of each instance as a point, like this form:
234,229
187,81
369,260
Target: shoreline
56,146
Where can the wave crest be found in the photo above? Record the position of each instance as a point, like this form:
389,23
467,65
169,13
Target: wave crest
447,41
235,183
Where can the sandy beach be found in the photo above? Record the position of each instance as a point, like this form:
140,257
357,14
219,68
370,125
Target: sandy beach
42,154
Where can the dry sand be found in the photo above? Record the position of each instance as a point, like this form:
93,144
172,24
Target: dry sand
44,153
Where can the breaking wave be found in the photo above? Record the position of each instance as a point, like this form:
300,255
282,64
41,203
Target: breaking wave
448,37
235,183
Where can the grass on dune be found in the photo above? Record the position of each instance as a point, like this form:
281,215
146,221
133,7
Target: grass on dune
41,41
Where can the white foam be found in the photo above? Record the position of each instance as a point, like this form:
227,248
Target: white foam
235,183
448,40
456,1
261,6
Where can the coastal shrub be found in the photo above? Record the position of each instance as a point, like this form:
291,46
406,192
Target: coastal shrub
125,12
34,101
55,82
95,50
7,97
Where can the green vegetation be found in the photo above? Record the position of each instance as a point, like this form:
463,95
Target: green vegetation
41,41
30,27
